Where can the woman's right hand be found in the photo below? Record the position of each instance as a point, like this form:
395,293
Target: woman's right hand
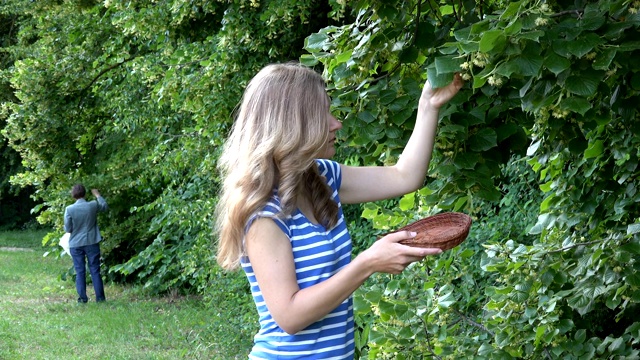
388,255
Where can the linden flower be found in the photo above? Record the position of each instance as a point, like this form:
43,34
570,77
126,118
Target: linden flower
465,65
466,76
479,60
633,10
591,56
494,80
544,7
479,63
542,21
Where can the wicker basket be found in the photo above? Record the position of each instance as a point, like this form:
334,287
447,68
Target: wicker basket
444,231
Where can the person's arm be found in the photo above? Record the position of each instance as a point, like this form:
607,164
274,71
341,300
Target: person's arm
102,203
68,222
363,184
293,309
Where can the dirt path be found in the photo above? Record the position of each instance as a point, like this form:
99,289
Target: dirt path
15,249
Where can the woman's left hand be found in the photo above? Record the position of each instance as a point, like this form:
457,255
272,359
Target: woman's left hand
435,98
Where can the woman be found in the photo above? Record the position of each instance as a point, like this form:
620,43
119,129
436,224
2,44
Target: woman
280,215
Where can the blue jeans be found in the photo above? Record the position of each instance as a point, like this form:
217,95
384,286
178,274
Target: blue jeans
92,253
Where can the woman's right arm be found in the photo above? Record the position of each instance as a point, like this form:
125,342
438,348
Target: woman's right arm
294,309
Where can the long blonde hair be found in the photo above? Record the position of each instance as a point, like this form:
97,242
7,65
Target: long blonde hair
280,129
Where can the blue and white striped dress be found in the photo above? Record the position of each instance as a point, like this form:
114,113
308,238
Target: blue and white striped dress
318,254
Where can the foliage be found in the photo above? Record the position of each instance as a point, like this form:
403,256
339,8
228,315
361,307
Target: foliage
160,78
15,204
558,75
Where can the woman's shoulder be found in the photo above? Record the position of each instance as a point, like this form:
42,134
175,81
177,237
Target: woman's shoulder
331,171
273,210
326,164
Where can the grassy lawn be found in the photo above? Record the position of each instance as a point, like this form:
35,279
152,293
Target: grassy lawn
40,319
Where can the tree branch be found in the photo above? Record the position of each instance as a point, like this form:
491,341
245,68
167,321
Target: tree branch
479,326
426,336
435,13
574,245
578,13
104,71
413,41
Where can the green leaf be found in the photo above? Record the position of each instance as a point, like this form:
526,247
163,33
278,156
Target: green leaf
393,133
316,42
407,202
492,39
578,301
502,338
485,349
634,330
366,116
448,64
556,63
386,308
446,300
529,64
466,160
604,59
616,344
506,130
507,68
633,229
584,84
595,149
633,279
360,305
308,60
484,139
480,27
575,104
409,55
564,325
539,332
583,45
387,96
532,35
344,57
373,297
462,34
629,46
510,11
436,79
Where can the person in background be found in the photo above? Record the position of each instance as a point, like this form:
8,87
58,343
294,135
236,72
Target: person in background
81,221
280,216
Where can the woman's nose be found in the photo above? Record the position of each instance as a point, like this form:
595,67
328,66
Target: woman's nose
335,124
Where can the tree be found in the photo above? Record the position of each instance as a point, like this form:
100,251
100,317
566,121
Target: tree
555,82
15,204
135,99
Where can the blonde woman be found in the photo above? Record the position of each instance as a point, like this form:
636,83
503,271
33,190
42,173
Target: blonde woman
280,215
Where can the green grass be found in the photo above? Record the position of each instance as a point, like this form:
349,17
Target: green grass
40,318
31,239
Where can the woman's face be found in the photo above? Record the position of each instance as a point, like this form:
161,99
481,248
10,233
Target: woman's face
334,125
